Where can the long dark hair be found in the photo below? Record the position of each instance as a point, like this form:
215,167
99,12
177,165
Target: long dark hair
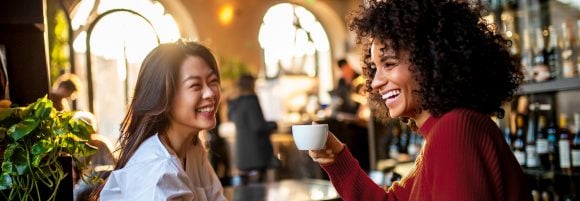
148,112
156,85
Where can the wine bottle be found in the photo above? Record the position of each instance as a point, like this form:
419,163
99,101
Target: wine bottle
553,148
576,144
542,144
567,53
519,150
541,70
531,150
553,53
564,144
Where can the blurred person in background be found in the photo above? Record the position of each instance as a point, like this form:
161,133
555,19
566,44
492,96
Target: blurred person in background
254,153
345,88
161,156
65,88
436,65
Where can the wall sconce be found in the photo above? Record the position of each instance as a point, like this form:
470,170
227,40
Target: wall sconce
226,14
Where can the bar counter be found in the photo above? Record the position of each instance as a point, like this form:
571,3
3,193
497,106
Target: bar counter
284,190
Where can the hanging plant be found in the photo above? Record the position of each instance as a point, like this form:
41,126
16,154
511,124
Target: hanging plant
32,138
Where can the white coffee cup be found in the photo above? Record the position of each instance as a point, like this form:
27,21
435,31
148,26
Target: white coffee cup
310,137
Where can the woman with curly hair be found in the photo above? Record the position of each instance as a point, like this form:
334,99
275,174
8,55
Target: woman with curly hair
438,67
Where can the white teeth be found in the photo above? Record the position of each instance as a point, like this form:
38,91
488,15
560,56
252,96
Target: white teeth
391,94
205,109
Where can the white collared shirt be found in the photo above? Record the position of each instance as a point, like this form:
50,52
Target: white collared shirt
154,174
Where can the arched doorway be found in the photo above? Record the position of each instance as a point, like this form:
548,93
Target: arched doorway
296,53
111,38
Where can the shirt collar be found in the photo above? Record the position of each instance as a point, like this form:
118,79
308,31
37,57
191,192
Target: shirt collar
427,125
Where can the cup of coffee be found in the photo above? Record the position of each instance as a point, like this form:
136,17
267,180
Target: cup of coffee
310,137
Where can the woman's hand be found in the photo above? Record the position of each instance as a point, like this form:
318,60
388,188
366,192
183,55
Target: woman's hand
327,155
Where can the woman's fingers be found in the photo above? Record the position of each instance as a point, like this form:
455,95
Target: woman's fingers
333,143
324,161
332,148
324,156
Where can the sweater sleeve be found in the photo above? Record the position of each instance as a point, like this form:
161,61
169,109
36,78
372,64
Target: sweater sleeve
350,181
462,162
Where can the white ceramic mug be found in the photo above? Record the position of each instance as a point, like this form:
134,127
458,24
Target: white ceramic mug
310,137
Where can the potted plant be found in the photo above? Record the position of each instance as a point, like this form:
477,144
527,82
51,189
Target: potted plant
32,139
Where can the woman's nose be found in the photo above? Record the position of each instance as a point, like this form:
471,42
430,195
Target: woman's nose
379,80
208,92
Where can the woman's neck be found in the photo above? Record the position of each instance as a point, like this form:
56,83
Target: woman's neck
180,141
421,118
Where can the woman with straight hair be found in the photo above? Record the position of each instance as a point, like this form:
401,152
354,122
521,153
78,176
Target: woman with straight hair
161,157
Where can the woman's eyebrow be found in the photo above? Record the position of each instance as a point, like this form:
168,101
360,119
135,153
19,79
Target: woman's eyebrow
387,57
191,78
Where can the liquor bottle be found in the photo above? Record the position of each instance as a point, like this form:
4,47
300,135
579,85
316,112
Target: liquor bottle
576,144
542,144
549,194
553,148
527,57
564,144
519,149
541,70
509,24
531,150
553,53
567,53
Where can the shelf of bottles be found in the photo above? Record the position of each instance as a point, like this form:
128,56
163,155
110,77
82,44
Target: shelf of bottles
545,37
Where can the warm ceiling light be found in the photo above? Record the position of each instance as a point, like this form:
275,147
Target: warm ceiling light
226,14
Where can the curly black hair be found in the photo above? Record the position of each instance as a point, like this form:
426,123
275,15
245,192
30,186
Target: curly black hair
457,58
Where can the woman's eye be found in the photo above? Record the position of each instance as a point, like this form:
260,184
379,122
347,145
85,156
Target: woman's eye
194,86
390,64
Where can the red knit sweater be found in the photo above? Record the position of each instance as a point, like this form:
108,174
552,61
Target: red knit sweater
464,158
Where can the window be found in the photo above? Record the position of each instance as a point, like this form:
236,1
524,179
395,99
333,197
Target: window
296,52
111,39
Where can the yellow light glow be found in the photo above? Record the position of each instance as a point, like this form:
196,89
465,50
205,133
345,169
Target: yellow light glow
226,14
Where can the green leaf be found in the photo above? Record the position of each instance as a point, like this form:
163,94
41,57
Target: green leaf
10,151
88,150
5,182
59,131
84,130
41,147
20,130
68,141
36,159
21,168
38,109
8,168
20,160
45,111
5,113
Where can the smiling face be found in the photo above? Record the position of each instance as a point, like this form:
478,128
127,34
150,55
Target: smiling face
197,96
394,81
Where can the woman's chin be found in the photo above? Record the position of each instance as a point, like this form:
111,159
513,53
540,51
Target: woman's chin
393,114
